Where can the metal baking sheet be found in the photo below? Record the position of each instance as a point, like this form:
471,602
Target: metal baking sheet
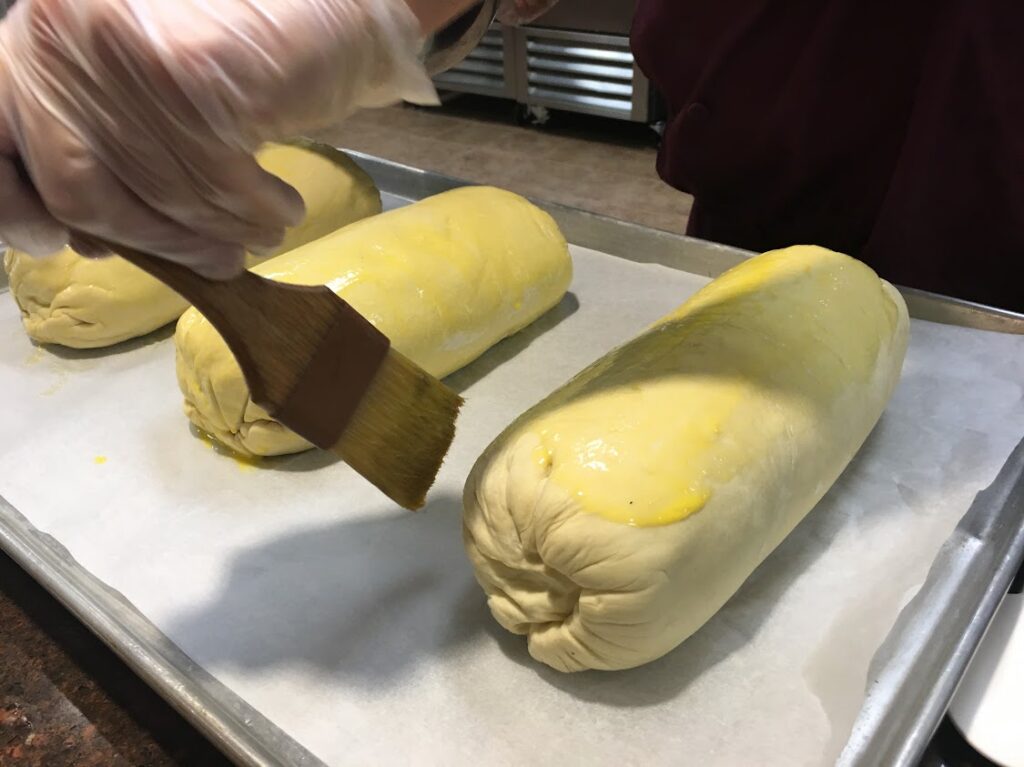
912,678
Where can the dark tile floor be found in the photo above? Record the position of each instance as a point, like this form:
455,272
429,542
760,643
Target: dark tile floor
65,699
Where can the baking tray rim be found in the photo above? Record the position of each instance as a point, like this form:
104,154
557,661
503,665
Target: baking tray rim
927,651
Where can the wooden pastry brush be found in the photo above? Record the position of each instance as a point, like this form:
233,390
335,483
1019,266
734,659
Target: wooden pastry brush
326,373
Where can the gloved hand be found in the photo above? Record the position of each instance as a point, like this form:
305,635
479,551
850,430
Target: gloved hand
515,12
136,120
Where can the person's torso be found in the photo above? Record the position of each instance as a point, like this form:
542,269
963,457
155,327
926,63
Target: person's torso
886,130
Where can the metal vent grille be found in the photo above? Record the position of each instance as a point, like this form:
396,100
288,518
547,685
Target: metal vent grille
483,71
586,73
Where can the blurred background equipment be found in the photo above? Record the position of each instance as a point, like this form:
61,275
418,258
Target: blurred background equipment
575,58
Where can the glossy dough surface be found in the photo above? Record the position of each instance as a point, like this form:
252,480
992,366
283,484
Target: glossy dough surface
613,519
445,279
87,303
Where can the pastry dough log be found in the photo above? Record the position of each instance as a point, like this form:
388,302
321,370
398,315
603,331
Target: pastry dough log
87,303
612,520
445,279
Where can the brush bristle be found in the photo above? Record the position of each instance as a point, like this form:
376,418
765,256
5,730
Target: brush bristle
401,432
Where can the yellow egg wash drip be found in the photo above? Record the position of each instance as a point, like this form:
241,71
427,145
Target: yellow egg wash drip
99,460
244,462
655,427
57,385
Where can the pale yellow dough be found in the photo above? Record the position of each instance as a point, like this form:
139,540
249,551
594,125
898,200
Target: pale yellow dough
617,516
445,279
87,303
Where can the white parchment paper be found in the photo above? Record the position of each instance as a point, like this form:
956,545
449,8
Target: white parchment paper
358,628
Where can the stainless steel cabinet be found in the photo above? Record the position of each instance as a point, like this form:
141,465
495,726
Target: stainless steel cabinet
489,70
575,58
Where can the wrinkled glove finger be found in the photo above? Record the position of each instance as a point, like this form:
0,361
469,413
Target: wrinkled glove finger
81,193
160,148
214,190
25,223
232,199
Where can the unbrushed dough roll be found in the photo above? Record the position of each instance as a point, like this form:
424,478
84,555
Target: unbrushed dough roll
445,279
613,519
87,303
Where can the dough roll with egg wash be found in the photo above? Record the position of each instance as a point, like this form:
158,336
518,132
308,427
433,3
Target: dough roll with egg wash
87,303
613,519
445,279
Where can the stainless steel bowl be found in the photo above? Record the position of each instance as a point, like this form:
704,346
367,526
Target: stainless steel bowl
445,49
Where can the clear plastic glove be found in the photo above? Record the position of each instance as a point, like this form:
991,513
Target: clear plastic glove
135,120
513,12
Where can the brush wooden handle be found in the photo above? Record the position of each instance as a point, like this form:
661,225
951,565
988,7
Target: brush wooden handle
307,356
243,311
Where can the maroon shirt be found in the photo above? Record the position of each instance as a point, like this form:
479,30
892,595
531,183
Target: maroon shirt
890,130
